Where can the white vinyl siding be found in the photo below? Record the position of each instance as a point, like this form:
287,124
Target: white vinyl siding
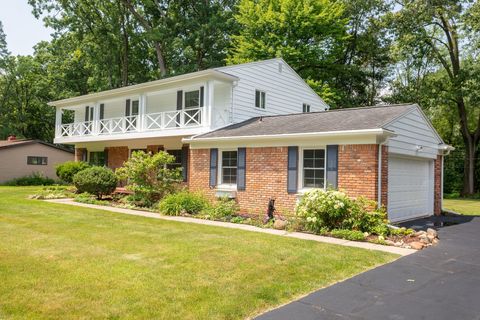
413,131
284,87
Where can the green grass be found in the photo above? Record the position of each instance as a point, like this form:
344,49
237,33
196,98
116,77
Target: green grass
60,261
470,207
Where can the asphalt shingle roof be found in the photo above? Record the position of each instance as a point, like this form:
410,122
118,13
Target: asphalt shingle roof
333,120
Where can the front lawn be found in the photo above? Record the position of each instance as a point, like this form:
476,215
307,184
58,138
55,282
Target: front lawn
60,261
470,207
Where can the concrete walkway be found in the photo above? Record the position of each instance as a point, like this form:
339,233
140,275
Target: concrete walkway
297,235
440,282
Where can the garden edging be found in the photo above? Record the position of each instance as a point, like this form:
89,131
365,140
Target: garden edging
297,235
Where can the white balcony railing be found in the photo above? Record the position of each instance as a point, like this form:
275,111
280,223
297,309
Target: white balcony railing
139,123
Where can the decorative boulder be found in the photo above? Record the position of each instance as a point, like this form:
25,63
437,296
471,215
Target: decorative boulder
279,224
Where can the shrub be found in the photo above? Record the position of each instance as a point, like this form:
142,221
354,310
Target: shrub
54,192
224,207
353,235
98,181
149,177
329,210
324,209
35,179
67,170
182,202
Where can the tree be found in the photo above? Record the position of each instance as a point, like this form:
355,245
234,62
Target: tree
3,47
447,33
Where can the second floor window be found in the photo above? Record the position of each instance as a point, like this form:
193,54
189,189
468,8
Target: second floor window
37,161
306,108
192,99
260,97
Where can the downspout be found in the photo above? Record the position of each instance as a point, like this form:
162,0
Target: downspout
379,170
231,116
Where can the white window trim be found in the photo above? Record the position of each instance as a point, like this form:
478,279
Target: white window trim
301,189
224,186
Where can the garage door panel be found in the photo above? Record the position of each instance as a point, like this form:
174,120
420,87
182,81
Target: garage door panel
409,188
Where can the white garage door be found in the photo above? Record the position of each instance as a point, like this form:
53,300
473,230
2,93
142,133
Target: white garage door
410,188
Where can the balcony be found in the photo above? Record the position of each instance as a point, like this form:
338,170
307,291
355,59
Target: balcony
168,122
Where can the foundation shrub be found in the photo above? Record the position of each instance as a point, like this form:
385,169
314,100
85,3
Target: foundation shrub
67,170
98,181
183,202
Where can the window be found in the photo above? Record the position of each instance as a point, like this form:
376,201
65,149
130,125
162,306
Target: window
313,168
260,99
306,108
178,159
37,161
229,167
97,158
192,99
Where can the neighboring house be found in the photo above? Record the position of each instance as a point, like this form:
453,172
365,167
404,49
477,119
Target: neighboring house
257,131
20,158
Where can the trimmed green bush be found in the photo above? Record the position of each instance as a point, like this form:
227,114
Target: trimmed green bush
182,202
353,235
223,208
98,181
67,170
325,211
35,179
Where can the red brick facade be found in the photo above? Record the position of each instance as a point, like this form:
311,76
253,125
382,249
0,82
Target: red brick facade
265,179
79,154
116,156
384,185
437,202
358,171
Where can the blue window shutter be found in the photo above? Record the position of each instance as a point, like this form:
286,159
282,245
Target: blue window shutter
241,168
292,170
332,166
87,113
185,163
127,107
213,167
202,93
102,111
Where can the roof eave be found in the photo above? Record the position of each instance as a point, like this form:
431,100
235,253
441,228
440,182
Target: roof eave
215,74
377,132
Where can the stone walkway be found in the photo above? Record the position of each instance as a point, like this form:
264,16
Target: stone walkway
297,235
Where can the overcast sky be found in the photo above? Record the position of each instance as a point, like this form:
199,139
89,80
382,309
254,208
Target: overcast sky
22,29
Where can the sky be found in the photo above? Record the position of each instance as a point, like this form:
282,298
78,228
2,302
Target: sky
23,31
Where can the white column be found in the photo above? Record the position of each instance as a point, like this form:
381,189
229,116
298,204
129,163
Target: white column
142,111
210,102
58,122
96,118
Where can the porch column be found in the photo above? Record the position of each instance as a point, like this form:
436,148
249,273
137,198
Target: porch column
96,119
142,110
209,92
58,122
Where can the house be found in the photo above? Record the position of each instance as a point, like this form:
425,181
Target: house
20,158
256,132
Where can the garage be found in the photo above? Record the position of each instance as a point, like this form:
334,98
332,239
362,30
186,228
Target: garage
410,187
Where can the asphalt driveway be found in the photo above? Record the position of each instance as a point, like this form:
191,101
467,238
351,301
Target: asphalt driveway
441,282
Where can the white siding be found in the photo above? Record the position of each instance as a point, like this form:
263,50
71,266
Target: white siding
162,102
285,90
221,105
413,130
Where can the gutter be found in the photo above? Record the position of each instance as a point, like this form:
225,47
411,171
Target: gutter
382,132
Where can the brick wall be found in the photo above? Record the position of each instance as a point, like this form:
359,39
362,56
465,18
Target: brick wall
437,202
79,153
266,177
116,156
358,170
384,190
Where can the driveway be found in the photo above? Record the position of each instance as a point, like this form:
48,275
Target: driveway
440,282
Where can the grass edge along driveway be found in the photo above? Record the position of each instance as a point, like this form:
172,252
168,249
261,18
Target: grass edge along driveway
469,207
60,261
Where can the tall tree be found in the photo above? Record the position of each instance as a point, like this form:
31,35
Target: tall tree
308,34
447,32
3,48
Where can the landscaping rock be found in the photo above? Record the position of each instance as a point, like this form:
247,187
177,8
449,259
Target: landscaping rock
420,233
430,237
416,245
279,224
435,241
432,232
389,242
399,243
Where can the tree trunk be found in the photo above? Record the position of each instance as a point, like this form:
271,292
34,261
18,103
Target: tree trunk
469,166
